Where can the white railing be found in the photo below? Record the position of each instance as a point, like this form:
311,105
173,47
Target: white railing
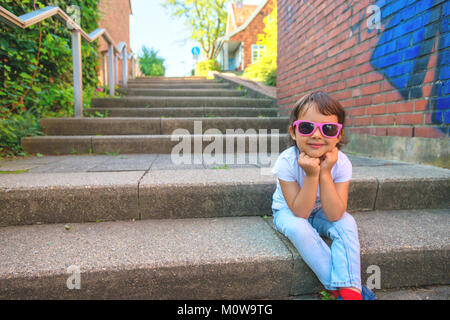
36,16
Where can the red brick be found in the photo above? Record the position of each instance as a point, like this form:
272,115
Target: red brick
376,109
393,96
364,101
428,132
372,77
364,121
379,98
370,89
400,107
376,131
420,105
412,118
357,112
403,132
386,119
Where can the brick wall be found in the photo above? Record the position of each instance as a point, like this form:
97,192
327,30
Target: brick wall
249,35
114,17
393,78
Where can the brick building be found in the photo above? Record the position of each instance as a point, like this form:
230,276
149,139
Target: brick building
114,17
387,62
238,48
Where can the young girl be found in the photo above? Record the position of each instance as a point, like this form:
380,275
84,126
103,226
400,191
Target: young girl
311,195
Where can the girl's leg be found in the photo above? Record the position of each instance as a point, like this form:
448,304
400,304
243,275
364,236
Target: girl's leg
345,249
314,251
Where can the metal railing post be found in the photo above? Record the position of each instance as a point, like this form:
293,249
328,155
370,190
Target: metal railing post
104,63
116,70
124,67
133,65
111,82
77,75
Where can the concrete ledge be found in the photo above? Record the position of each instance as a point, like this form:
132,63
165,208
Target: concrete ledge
57,144
254,89
192,85
32,197
68,197
182,92
143,143
180,102
185,112
220,258
430,151
226,258
156,126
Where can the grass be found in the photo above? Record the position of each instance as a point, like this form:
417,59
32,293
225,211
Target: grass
326,296
220,167
113,153
13,172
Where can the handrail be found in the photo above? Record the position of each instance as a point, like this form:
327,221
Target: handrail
33,17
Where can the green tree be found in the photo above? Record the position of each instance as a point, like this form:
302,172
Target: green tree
205,19
265,69
150,63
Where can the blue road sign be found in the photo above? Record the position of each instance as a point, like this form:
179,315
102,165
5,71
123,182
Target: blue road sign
195,51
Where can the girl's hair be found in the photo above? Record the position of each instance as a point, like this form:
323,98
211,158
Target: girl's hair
324,104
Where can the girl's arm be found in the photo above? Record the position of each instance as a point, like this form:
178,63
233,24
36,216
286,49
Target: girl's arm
301,200
333,196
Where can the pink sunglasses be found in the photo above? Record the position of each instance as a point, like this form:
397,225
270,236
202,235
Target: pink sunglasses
328,130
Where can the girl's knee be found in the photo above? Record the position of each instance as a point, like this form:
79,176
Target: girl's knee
347,223
298,228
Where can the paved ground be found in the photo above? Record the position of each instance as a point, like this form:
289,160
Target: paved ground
138,162
421,293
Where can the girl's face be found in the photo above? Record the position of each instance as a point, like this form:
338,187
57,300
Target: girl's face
315,145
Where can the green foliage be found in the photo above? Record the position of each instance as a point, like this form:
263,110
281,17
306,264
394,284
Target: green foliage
13,129
205,19
265,69
36,69
150,63
202,67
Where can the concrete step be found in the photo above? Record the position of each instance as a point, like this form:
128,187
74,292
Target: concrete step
213,85
171,78
173,81
183,92
181,102
91,188
214,258
148,143
184,112
155,126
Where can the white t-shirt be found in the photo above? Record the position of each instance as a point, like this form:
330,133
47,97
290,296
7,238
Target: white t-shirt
286,168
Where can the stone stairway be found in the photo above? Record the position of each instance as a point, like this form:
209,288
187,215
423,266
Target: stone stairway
138,225
143,120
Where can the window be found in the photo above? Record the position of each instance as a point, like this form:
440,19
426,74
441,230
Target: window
257,52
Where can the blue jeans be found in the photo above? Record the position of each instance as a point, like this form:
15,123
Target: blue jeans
336,267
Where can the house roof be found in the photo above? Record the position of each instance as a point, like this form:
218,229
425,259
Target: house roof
244,15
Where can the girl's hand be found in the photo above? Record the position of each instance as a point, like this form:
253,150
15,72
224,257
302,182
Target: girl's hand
310,165
328,160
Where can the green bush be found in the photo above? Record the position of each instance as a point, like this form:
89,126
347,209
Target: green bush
202,67
36,68
150,64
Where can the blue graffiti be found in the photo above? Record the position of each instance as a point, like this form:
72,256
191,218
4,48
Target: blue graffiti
403,51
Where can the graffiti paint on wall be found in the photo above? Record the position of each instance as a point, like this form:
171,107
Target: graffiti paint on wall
414,30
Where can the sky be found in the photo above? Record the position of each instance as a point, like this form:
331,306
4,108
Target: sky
152,26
